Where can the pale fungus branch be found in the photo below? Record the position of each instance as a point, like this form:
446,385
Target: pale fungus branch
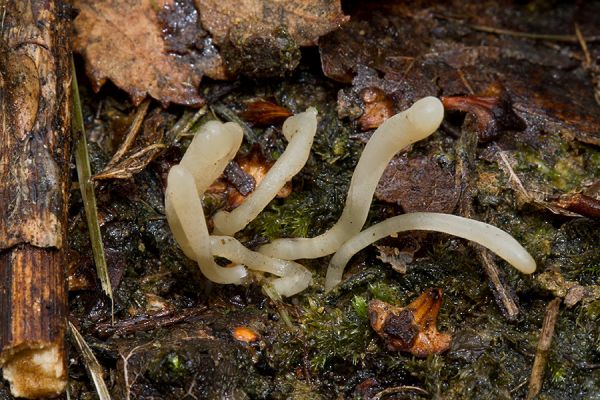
495,239
206,158
397,132
300,131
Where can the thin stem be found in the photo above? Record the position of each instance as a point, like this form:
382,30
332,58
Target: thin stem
84,173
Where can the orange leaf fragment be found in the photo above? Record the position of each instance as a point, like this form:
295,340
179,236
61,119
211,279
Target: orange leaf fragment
244,334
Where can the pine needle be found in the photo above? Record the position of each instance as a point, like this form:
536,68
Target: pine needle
84,173
92,365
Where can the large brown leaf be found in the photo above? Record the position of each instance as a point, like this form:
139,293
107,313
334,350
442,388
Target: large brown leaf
143,49
305,20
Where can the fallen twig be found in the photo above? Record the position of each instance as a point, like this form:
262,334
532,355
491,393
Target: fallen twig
146,322
132,133
399,389
541,353
35,143
504,296
531,35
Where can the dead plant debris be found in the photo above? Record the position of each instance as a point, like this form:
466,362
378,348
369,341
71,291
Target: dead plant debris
305,21
412,328
124,41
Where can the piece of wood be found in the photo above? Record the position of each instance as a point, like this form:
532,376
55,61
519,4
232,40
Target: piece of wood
543,347
35,141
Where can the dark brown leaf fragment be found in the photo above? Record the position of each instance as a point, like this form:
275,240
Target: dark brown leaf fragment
240,179
412,328
245,171
418,184
492,112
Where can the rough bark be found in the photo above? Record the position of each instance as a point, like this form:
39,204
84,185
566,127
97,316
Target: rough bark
35,104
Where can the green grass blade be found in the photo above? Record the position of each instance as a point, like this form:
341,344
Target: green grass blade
84,173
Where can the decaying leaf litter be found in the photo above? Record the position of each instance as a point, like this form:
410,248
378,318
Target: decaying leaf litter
515,176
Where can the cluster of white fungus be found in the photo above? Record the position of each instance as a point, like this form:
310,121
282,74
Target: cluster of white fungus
216,144
207,156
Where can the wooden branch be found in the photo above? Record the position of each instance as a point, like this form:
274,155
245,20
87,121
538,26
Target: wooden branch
35,112
503,294
543,347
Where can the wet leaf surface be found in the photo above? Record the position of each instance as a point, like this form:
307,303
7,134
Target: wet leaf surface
305,20
418,184
550,88
147,47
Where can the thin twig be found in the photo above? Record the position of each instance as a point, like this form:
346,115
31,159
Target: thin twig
530,35
465,82
520,189
399,389
466,148
84,174
505,297
132,133
541,353
584,48
589,65
92,365
146,322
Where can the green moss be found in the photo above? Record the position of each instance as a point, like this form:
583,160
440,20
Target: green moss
562,164
334,335
360,307
169,369
385,292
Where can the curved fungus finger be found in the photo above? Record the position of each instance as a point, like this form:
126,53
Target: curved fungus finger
397,132
495,239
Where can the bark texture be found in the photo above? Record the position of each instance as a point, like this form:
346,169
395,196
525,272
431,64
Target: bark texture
35,108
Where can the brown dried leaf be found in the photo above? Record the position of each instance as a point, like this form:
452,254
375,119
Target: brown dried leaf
305,20
412,328
418,184
138,46
265,113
